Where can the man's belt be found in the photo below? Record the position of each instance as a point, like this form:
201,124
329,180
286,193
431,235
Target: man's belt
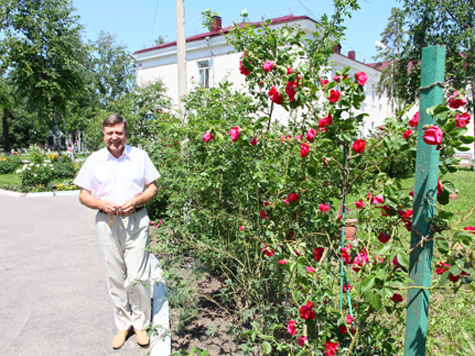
135,210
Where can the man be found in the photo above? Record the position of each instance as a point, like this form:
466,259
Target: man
118,181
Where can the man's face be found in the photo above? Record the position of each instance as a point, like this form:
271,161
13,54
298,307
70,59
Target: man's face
115,138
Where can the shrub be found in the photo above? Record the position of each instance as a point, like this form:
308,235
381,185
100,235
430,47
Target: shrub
9,164
36,174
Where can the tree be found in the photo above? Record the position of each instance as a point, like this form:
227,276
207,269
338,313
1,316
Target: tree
44,55
392,40
114,73
434,22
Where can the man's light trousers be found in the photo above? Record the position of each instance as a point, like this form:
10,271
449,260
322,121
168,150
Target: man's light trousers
126,262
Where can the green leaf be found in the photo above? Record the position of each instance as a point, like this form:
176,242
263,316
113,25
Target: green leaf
464,148
266,348
376,302
467,139
368,283
403,260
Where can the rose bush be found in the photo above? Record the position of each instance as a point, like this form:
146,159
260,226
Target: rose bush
264,205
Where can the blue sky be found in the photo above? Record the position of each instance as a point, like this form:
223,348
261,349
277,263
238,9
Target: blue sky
136,24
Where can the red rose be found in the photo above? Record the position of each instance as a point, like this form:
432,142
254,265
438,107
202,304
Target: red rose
311,134
396,298
318,253
433,135
359,146
415,120
324,208
334,96
207,136
306,311
383,237
291,327
235,132
327,120
304,149
268,66
407,134
456,101
462,120
254,141
360,204
275,96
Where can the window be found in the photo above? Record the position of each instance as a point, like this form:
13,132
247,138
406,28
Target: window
203,68
373,93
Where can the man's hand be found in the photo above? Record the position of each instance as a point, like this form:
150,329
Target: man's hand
128,207
109,207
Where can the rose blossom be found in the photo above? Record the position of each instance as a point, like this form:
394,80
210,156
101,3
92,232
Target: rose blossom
396,298
304,149
349,319
291,88
282,262
331,348
294,197
301,340
207,136
324,81
268,253
470,228
254,141
291,327
241,228
347,287
360,204
324,208
327,120
383,237
378,199
263,214
361,78
290,70
306,311
462,120
311,134
275,96
359,146
455,101
268,66
433,135
407,134
235,132
318,253
415,120
334,96
360,260
310,269
442,267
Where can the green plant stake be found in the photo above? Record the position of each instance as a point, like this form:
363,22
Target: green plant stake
425,199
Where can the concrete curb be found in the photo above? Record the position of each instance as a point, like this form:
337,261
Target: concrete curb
160,344
39,194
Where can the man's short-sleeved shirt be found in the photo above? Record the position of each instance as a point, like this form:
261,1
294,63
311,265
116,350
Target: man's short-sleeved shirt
117,179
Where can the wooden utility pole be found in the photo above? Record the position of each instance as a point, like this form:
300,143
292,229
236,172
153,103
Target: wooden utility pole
181,52
425,200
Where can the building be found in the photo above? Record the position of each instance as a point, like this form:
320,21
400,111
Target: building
209,61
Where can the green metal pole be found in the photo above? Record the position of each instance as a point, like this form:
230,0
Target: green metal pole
425,198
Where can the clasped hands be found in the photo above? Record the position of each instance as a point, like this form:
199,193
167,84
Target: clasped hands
125,209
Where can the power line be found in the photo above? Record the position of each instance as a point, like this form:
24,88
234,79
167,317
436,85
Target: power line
153,24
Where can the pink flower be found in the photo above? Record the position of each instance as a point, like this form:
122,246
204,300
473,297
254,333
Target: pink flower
345,255
160,221
359,146
331,348
241,228
266,203
407,134
311,134
433,135
235,132
349,319
304,149
306,311
275,96
347,287
395,262
456,101
263,214
327,120
415,120
442,267
290,71
324,208
361,78
268,66
254,141
462,120
298,137
318,253
324,81
291,327
310,269
207,136
302,340
360,260
378,199
334,96
286,201
336,78
396,298
360,204
282,262
383,237
151,223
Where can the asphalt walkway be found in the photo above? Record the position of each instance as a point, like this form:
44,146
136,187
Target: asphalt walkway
53,294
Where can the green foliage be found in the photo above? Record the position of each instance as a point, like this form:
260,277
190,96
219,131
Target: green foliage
8,164
34,174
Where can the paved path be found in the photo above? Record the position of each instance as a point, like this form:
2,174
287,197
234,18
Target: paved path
53,294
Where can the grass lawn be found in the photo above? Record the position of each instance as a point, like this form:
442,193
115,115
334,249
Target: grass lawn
10,179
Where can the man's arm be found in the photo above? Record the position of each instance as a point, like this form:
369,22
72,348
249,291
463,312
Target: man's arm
87,199
147,195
